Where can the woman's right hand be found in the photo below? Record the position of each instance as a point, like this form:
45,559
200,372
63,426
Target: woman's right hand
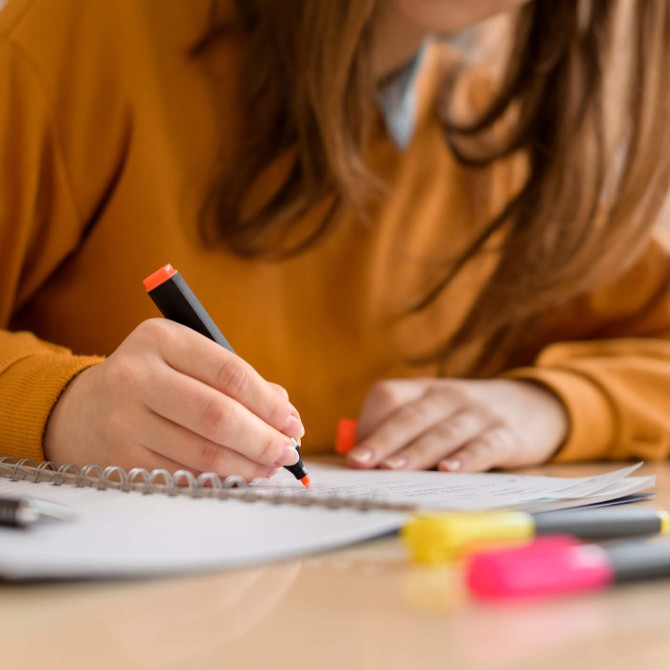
170,398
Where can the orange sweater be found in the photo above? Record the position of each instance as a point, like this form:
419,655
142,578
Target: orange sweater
109,135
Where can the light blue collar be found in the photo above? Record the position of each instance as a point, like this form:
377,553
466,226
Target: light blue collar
398,102
398,98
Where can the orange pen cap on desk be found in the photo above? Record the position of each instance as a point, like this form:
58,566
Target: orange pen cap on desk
345,439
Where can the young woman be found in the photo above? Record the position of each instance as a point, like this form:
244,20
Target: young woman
464,258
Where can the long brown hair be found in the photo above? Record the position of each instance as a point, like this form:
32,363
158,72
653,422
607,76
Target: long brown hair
308,89
584,85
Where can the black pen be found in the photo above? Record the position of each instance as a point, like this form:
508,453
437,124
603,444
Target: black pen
177,302
24,512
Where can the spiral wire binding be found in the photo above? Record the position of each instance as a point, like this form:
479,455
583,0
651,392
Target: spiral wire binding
182,483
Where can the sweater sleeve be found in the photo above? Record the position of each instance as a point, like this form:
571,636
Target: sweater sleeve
615,381
39,228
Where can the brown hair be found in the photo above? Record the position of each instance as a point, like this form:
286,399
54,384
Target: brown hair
590,118
308,89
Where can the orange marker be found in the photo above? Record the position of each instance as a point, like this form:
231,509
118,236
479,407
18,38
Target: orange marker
345,440
298,470
177,302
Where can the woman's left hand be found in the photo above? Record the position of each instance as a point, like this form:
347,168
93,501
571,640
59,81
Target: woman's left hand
458,425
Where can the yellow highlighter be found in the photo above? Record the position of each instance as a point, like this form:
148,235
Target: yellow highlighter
443,537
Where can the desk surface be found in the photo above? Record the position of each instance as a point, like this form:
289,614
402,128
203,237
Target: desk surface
363,608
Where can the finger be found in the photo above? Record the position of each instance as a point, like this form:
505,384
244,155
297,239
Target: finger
146,432
156,461
383,400
196,356
280,389
405,426
216,417
193,452
135,455
440,440
493,448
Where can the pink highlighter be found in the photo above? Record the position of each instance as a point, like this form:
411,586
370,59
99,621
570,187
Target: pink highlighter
556,565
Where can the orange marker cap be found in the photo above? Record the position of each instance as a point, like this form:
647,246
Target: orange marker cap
345,440
159,277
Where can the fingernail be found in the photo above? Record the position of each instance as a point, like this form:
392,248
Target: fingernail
395,463
361,455
452,466
288,456
294,427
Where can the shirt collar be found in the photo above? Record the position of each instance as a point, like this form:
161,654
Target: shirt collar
398,96
397,100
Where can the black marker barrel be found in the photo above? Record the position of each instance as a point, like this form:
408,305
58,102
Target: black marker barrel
177,302
602,523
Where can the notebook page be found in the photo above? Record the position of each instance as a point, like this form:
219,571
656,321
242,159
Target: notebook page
130,534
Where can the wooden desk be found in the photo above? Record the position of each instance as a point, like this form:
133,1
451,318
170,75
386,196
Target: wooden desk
363,608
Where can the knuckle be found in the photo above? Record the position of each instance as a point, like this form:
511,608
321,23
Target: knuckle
232,376
486,442
421,450
499,437
215,416
384,394
452,430
484,414
449,394
281,390
154,330
212,459
415,414
122,374
269,452
276,410
467,423
492,441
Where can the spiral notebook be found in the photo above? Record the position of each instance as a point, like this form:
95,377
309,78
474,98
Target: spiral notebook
136,523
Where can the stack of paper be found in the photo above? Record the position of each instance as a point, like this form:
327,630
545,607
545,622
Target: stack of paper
451,491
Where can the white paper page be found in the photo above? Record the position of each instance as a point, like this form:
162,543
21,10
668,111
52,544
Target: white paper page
130,534
457,491
612,492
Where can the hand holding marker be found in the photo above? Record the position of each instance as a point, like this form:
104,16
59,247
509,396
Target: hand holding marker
177,302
